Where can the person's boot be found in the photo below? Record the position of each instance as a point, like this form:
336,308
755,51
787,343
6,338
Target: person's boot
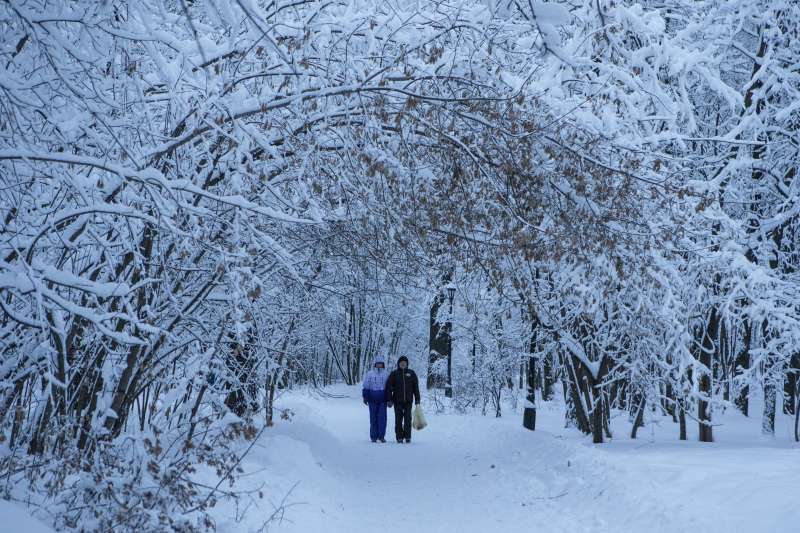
374,440
382,440
408,441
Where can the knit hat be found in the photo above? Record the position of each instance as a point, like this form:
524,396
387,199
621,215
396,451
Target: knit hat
378,359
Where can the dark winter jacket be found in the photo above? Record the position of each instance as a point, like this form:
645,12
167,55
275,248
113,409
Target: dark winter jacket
402,385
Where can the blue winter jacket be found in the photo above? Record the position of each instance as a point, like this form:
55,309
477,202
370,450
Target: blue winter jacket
373,388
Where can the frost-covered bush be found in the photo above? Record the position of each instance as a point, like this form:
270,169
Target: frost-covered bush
148,482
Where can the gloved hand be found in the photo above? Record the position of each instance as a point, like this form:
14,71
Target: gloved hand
389,405
365,402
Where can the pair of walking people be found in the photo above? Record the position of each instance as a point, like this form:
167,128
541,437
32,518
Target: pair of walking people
398,389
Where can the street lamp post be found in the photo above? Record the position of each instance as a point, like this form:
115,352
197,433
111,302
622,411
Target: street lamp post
448,390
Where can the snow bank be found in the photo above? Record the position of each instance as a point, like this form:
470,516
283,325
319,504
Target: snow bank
15,518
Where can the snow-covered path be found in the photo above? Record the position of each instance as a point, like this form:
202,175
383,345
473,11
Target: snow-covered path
474,474
453,477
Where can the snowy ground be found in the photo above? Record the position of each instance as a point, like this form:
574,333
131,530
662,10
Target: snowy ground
470,473
17,518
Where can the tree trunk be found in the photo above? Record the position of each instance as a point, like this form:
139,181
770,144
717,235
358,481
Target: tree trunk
682,419
797,415
770,398
741,400
529,413
708,348
575,384
724,363
669,402
790,385
607,417
639,420
548,379
570,420
597,417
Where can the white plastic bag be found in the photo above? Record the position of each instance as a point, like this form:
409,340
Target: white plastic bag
418,418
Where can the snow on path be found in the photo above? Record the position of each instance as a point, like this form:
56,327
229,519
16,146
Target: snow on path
474,474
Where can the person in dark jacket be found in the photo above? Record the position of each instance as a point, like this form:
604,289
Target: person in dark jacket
402,388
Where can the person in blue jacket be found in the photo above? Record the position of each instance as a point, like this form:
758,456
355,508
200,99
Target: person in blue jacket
373,391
